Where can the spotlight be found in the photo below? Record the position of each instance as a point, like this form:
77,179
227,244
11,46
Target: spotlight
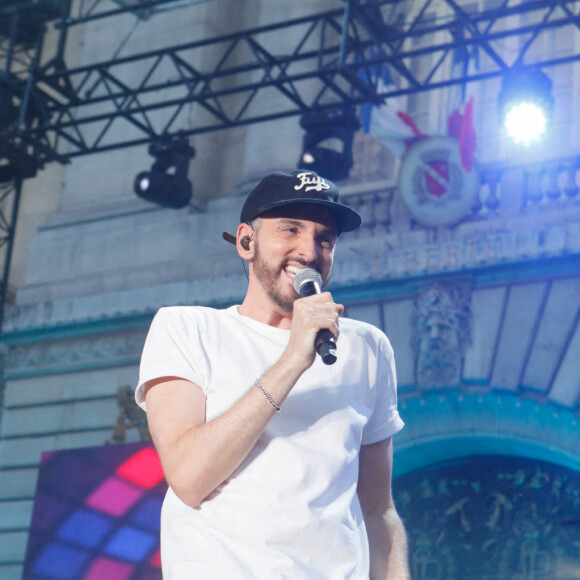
18,159
157,185
327,143
526,105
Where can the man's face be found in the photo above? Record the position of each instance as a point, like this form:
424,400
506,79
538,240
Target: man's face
440,333
287,241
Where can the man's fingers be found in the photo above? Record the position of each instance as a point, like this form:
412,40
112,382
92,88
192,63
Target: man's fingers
322,315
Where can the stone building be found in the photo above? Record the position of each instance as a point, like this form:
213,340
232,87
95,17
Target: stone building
482,308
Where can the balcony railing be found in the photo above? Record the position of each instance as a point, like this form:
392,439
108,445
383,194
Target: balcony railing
505,190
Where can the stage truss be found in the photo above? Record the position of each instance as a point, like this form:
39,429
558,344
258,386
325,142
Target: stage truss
55,111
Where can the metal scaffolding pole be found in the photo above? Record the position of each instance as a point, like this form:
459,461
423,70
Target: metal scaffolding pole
10,193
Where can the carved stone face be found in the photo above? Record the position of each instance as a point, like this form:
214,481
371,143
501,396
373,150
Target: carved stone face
441,336
439,361
441,333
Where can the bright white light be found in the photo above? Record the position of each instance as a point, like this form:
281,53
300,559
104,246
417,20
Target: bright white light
308,158
525,123
144,184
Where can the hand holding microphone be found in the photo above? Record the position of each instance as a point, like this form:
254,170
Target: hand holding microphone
307,283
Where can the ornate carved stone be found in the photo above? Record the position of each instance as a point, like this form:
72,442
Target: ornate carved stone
76,353
435,186
442,334
130,416
491,518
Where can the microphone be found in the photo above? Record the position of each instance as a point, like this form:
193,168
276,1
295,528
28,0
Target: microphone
308,282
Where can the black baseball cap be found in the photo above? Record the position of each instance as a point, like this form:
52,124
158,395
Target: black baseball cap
303,186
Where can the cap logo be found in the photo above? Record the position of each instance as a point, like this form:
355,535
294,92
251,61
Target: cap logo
313,182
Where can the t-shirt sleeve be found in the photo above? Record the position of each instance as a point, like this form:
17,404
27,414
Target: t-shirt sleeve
385,420
169,351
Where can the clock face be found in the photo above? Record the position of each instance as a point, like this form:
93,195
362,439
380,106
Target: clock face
435,187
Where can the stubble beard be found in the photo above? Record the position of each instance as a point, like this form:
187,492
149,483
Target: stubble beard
269,279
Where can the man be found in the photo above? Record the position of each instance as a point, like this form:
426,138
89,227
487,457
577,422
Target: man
303,493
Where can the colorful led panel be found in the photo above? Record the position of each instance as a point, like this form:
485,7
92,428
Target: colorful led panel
96,515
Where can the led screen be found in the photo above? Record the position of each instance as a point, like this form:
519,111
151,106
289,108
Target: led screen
96,515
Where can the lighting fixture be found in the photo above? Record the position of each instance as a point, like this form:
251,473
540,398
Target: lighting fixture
526,105
158,185
327,142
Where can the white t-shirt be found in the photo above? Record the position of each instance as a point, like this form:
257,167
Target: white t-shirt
290,510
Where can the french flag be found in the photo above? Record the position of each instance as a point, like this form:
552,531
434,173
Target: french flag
460,120
388,121
397,129
460,126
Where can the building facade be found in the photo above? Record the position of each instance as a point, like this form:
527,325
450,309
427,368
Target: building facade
476,285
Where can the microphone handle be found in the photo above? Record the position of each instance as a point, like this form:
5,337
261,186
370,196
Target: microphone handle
326,346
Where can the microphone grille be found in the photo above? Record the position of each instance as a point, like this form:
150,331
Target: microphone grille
306,275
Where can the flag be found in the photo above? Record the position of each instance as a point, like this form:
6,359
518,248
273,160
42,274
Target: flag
460,126
460,118
398,130
388,121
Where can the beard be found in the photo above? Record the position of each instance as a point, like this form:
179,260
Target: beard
269,278
438,364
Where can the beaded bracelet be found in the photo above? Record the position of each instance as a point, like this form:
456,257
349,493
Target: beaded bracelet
268,396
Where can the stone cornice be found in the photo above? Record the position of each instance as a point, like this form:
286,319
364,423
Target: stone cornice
388,257
181,259
358,276
75,354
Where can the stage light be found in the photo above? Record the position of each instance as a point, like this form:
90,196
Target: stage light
18,159
327,143
526,105
158,185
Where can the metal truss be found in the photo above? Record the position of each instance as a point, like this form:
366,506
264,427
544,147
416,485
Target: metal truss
365,51
9,204
96,9
334,61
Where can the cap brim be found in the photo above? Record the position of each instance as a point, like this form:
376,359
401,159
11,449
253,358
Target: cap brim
347,219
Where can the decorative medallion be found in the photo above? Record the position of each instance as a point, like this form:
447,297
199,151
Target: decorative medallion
435,187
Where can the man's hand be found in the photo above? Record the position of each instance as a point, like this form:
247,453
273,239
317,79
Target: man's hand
310,315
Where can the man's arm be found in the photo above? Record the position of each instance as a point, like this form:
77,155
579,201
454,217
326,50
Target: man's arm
387,539
197,456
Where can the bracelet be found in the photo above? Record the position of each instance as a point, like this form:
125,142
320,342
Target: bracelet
268,396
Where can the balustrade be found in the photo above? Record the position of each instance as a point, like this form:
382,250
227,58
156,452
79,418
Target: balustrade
375,210
551,182
549,185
